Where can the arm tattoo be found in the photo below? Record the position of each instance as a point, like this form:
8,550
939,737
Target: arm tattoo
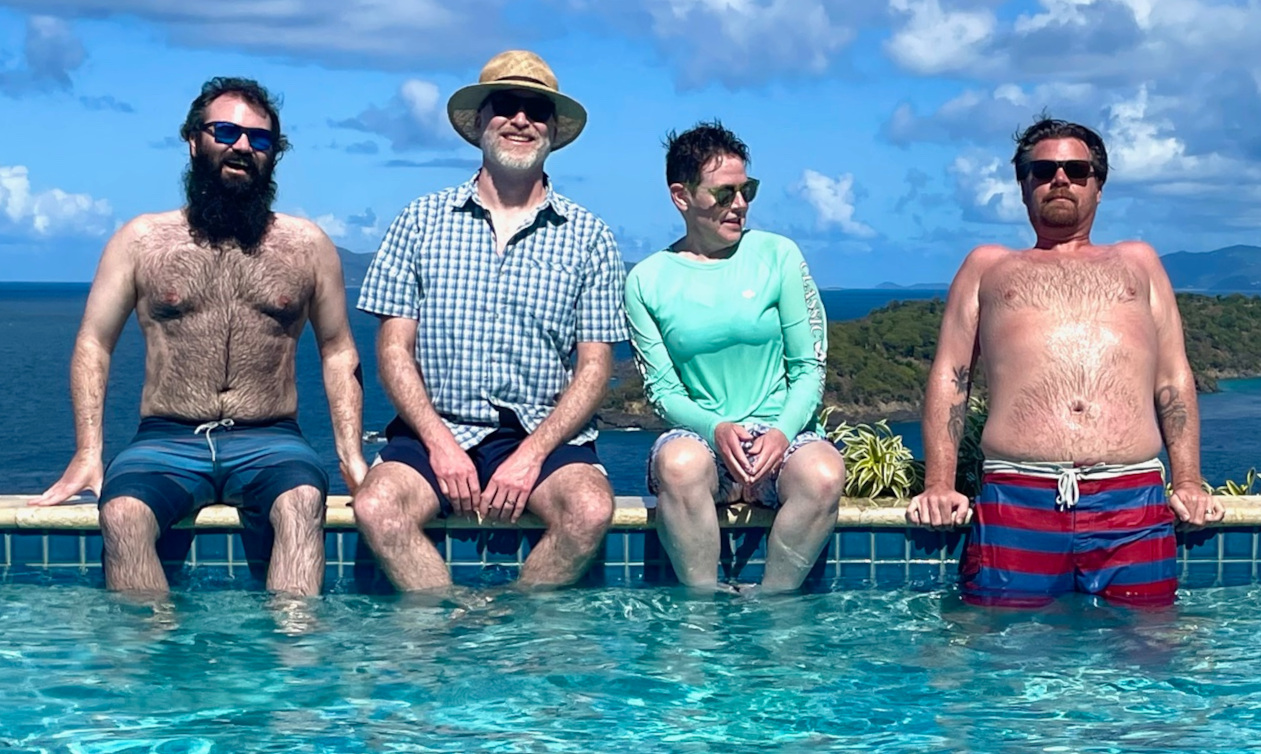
963,379
958,419
1172,412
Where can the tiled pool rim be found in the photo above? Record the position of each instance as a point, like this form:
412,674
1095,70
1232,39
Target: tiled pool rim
871,546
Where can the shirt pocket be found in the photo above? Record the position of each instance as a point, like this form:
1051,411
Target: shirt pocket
547,292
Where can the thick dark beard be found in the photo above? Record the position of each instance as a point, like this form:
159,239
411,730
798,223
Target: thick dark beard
220,212
1059,214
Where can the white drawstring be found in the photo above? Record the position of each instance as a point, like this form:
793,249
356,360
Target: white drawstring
1066,491
209,427
1067,476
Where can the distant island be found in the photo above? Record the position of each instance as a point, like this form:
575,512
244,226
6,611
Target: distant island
878,365
1227,270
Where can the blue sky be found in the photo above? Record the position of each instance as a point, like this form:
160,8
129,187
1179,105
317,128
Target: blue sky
881,129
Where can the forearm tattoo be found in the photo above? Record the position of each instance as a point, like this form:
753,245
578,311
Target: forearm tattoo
958,419
1172,411
963,379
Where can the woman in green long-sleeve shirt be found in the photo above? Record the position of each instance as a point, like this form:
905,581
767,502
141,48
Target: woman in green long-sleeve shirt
731,338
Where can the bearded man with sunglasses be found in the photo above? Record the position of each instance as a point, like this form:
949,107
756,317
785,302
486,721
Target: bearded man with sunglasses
731,338
1087,373
499,301
222,289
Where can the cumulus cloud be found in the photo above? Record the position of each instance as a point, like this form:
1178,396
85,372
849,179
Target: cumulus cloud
937,40
351,227
833,202
394,34
50,54
748,42
988,115
987,190
54,213
415,118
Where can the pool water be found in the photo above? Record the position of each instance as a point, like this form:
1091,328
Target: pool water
623,670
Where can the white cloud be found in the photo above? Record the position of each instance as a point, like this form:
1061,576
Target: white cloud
741,42
356,33
833,201
51,52
935,40
987,190
415,118
331,225
48,214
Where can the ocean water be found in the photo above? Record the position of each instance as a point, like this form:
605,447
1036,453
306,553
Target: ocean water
38,324
624,670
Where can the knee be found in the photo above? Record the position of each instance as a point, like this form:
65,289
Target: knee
382,513
299,506
127,516
823,482
684,464
589,510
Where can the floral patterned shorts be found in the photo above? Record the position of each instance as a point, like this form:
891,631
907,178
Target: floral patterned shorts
767,491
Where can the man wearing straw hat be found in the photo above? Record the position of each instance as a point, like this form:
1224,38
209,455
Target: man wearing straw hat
499,302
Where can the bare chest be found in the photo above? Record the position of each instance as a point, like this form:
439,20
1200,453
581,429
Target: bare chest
1070,287
187,282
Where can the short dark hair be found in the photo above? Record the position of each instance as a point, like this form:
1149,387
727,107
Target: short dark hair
247,89
688,153
1050,128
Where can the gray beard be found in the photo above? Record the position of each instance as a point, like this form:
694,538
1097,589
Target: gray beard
498,157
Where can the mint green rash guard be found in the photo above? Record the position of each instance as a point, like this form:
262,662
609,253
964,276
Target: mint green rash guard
741,339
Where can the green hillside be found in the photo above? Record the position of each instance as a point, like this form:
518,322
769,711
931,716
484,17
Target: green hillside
878,365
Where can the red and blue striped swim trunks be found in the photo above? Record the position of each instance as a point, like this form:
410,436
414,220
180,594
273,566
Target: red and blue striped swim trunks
1042,530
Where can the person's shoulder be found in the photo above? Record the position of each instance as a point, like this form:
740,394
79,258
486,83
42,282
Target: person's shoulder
149,226
987,254
579,216
650,266
300,227
1139,250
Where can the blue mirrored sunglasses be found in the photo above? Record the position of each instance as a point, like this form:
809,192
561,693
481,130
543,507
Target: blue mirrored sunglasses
228,133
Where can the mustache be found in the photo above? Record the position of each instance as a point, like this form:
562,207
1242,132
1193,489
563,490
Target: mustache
1059,194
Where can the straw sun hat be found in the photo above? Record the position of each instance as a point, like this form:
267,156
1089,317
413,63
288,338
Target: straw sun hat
515,69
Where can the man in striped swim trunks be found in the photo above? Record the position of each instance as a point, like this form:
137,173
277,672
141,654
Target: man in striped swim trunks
1088,378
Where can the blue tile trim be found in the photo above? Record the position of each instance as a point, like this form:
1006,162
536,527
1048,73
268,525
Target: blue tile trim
853,557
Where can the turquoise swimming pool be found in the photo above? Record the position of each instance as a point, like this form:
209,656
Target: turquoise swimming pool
643,670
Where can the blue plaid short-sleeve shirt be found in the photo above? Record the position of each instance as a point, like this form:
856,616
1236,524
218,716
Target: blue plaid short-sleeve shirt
497,331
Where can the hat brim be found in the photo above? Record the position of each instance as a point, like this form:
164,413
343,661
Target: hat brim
571,117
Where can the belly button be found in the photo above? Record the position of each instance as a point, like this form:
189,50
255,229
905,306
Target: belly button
1078,407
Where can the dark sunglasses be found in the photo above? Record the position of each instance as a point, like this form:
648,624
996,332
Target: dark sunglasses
725,195
508,104
228,133
1044,170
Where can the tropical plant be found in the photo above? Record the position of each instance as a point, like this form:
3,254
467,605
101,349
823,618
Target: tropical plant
969,471
1234,488
877,464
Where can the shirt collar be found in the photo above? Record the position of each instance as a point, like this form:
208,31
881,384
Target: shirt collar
466,194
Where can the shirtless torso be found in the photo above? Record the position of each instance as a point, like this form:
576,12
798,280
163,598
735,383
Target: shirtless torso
1069,347
221,326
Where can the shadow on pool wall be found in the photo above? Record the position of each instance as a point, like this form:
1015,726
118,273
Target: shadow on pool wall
882,555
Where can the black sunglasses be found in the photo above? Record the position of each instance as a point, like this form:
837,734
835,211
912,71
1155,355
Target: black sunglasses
226,132
508,104
725,195
1075,170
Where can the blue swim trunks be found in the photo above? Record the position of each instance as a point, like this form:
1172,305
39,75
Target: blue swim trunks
177,467
1042,530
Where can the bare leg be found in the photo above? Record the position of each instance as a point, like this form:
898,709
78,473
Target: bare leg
392,507
297,558
130,533
576,503
687,518
810,488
